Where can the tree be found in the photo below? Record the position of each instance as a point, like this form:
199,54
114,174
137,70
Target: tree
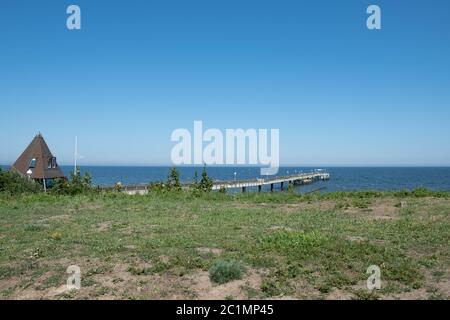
206,183
173,181
76,185
195,183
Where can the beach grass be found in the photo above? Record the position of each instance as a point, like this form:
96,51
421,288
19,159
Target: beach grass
167,245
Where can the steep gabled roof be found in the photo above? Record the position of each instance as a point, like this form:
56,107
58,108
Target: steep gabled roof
38,155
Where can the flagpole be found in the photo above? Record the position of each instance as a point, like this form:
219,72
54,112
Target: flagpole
75,156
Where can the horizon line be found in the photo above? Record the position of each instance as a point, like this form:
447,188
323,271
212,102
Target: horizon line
256,166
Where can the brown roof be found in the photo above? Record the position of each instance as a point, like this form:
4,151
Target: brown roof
38,155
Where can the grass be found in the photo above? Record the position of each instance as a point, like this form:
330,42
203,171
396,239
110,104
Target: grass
302,246
223,271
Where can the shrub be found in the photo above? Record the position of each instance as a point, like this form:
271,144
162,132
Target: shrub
421,192
12,182
291,188
77,184
206,183
223,271
55,235
290,240
173,181
195,183
156,186
33,227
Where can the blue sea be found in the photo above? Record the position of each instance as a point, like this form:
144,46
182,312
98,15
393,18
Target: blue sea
342,178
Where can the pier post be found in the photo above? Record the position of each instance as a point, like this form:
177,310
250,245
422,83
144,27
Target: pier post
243,189
259,188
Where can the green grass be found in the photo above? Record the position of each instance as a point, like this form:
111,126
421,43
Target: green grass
318,242
223,271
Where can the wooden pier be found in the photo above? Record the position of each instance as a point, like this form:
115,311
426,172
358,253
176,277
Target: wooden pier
298,179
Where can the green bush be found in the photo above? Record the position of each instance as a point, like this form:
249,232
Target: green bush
12,182
223,271
156,186
206,183
173,181
293,241
77,184
421,192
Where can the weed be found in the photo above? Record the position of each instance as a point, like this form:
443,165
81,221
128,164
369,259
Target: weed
223,271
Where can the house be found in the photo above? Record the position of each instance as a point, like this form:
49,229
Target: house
38,163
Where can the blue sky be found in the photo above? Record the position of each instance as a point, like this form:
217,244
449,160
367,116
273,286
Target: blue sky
339,93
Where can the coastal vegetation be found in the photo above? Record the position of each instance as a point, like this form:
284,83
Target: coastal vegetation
194,244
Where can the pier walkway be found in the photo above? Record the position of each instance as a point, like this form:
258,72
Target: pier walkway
298,179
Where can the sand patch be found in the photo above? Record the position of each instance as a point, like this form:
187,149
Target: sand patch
57,218
356,239
419,294
339,294
204,289
322,205
103,226
280,228
378,210
205,250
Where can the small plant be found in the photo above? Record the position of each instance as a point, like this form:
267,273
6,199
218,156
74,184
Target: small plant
56,235
33,227
421,192
361,203
156,186
118,186
223,271
291,188
362,294
290,240
195,182
137,271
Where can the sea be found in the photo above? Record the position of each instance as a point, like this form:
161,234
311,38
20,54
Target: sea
341,178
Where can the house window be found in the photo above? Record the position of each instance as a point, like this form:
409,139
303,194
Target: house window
51,163
32,164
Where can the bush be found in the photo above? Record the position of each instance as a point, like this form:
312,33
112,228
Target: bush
421,193
156,186
293,241
77,184
173,181
206,183
224,271
12,182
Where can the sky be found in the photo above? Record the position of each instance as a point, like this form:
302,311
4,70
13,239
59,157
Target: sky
339,93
